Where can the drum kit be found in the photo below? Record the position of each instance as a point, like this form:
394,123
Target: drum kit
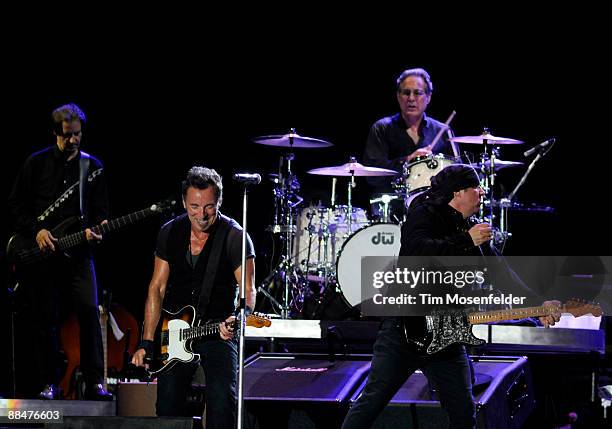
322,245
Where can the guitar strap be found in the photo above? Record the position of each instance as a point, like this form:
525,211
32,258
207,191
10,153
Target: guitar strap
218,247
83,169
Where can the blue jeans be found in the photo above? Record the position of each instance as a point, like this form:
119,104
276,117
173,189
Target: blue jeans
219,359
394,361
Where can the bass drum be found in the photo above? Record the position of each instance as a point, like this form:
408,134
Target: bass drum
381,239
321,231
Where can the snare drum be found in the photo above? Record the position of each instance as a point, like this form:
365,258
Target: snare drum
418,173
381,239
321,231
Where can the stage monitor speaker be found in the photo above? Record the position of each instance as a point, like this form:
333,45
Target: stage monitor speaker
128,423
301,390
503,393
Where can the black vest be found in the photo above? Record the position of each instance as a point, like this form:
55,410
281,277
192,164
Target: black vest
186,282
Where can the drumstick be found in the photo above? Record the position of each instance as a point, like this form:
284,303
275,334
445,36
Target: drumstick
444,128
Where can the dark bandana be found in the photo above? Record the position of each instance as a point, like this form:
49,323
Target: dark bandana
452,179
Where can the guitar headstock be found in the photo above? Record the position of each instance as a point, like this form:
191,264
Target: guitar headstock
163,205
579,308
258,321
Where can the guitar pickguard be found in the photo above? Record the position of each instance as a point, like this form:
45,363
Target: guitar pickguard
450,327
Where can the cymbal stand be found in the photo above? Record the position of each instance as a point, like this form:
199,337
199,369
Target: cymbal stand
349,205
488,170
286,202
488,178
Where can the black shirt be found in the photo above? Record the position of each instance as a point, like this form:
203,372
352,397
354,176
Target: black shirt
436,231
440,230
388,145
44,177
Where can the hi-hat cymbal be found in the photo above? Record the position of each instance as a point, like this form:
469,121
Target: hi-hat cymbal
292,140
490,138
498,164
352,169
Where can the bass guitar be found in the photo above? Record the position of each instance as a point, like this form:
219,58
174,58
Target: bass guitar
22,250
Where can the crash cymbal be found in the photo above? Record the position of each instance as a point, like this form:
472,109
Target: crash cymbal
490,138
499,164
352,169
292,140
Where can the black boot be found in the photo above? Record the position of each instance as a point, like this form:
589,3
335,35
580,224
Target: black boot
96,392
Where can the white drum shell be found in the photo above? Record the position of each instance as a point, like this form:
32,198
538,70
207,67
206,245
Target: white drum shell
360,244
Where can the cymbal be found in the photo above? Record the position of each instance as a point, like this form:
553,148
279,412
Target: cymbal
522,207
352,169
292,140
498,164
490,138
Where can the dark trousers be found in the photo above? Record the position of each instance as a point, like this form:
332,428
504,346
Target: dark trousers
43,286
394,361
219,359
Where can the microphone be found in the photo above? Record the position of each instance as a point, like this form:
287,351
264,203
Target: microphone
248,178
539,147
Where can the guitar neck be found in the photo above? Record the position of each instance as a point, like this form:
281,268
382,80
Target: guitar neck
196,332
199,331
518,313
77,238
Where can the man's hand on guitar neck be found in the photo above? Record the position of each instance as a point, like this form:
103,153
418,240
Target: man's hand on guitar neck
45,240
226,328
551,319
90,235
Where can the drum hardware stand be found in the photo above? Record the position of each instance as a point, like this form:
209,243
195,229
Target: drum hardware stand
489,179
286,202
506,203
488,169
349,206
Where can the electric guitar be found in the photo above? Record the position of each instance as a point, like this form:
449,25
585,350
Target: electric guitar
445,327
174,336
22,250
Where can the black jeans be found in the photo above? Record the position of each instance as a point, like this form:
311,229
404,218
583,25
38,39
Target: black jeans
394,361
219,359
43,286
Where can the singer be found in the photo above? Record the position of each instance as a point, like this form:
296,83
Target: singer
198,262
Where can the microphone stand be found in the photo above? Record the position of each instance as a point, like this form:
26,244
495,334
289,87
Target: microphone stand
522,181
506,203
242,310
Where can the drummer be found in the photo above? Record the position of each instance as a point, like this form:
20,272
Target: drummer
408,134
